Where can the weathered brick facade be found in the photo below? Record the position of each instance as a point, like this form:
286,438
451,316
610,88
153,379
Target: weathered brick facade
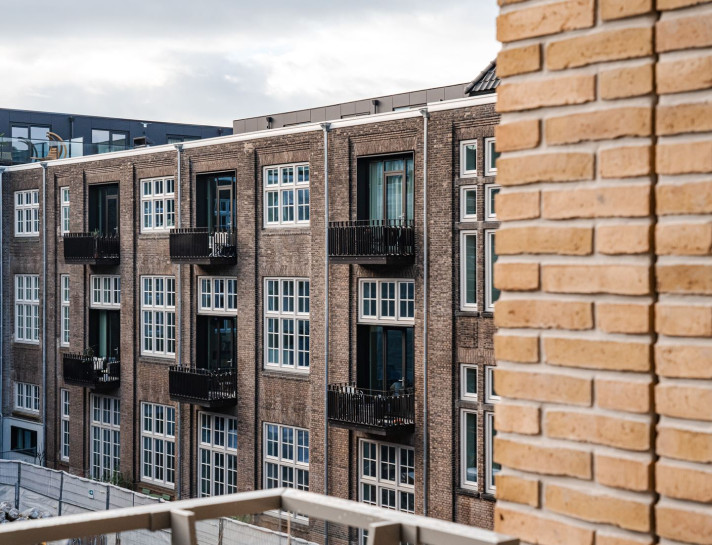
604,351
264,395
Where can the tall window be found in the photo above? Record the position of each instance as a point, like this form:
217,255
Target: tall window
158,315
468,158
286,334
158,444
491,191
27,308
468,443
27,397
27,213
491,467
158,212
386,477
491,156
64,306
490,393
64,431
218,294
105,437
468,382
105,291
64,211
391,301
389,195
286,457
217,452
468,270
491,293
286,195
468,203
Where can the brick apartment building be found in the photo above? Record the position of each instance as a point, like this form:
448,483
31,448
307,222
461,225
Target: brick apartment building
164,310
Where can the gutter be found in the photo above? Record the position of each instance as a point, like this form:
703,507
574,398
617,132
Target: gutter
2,309
179,350
426,455
44,310
326,127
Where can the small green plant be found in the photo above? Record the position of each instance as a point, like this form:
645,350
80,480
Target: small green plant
118,479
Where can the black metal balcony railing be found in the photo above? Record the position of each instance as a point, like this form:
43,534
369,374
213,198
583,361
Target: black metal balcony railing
381,242
201,246
382,413
101,374
91,249
204,387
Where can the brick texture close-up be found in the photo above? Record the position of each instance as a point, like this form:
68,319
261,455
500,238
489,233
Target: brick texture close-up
604,342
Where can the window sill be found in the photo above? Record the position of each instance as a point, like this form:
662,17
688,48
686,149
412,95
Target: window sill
488,496
468,313
33,238
462,491
27,344
155,236
26,415
286,373
286,230
157,360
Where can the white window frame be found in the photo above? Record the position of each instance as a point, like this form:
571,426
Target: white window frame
27,309
282,188
282,462
490,396
464,394
27,213
158,196
464,305
64,424
64,309
64,210
464,216
379,484
282,317
154,311
158,444
105,433
27,397
221,295
489,148
398,317
217,454
490,215
489,450
464,173
105,291
489,270
464,481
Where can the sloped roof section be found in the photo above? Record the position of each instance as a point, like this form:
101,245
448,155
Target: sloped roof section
486,82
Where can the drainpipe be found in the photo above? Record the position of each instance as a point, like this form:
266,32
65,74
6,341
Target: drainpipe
44,309
424,112
326,127
179,336
2,309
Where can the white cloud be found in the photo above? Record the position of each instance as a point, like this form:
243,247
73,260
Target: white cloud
227,63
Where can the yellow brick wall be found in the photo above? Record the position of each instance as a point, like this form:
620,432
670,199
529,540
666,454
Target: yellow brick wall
604,346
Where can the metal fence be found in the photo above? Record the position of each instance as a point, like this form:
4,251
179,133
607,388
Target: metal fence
59,493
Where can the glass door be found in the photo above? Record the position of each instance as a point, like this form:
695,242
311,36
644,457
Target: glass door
216,342
390,190
223,208
390,358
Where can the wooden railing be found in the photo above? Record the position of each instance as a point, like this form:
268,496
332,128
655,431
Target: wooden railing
204,387
372,240
91,372
91,248
202,245
372,409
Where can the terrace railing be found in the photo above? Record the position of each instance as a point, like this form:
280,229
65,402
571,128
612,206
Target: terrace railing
101,374
91,249
378,242
203,246
380,412
204,387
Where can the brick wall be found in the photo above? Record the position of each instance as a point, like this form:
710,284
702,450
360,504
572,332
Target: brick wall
604,346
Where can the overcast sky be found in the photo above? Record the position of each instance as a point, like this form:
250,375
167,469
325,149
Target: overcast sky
212,61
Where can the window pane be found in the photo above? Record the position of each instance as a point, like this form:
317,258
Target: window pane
470,158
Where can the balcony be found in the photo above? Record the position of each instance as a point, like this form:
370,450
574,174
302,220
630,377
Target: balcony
202,246
370,242
91,249
100,374
204,387
379,413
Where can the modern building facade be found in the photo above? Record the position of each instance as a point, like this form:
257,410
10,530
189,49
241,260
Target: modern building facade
174,319
29,136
